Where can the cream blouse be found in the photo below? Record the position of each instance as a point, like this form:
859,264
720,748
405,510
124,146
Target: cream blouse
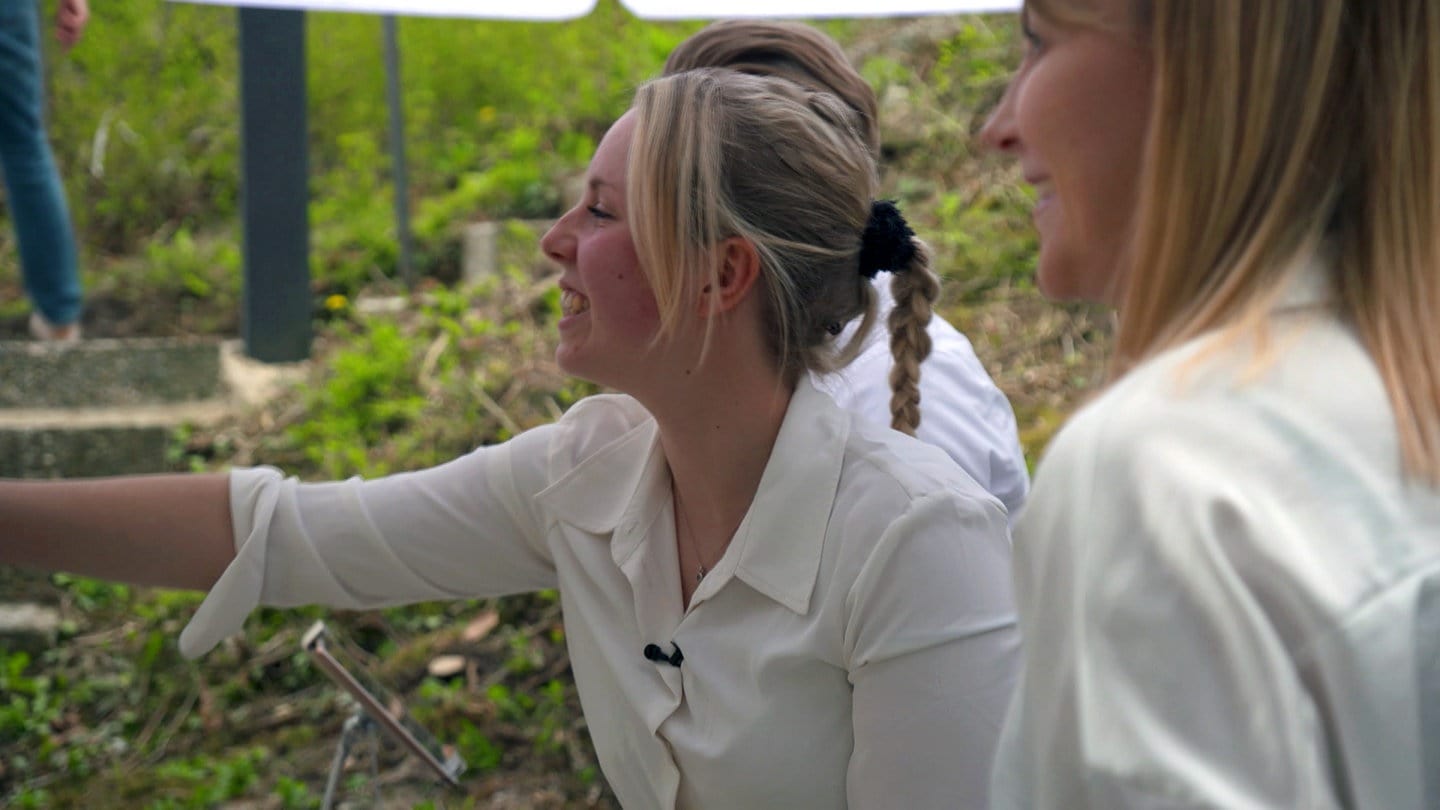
855,646
1230,595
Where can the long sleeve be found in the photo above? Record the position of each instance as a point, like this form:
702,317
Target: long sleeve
933,656
464,529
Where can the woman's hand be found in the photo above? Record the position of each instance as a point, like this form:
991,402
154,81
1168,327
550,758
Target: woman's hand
70,20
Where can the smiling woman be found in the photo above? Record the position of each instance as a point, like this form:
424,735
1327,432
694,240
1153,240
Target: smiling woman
1229,568
610,321
1076,119
760,593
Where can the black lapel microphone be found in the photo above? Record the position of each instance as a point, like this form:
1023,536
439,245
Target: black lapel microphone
654,653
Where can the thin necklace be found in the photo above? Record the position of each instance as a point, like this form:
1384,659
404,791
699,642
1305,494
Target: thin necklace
689,535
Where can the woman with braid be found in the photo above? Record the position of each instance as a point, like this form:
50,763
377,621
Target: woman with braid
768,603
965,414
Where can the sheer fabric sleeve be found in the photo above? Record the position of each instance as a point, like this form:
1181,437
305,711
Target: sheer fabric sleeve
465,529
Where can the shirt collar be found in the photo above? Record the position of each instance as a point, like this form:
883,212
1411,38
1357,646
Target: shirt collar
596,493
777,548
780,541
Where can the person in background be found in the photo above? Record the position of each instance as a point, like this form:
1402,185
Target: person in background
1229,569
767,602
35,196
965,414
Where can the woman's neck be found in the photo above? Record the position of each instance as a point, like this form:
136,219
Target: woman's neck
717,431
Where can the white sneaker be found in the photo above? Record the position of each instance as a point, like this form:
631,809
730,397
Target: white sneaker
44,330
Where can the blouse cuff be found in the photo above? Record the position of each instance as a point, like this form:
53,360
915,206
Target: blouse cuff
237,592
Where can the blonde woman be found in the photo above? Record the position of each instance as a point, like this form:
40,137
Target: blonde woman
1229,569
965,414
760,593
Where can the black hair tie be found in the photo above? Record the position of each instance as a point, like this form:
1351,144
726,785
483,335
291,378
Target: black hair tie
888,241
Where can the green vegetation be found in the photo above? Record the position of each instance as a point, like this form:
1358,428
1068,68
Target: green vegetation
501,117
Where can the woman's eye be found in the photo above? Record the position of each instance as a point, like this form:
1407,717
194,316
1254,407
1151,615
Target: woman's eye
598,212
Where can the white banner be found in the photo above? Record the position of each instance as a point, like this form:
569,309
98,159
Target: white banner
540,10
703,10
646,9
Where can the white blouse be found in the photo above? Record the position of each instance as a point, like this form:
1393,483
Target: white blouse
961,410
1229,595
855,646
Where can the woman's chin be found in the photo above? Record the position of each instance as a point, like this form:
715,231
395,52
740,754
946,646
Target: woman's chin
566,358
575,363
1057,279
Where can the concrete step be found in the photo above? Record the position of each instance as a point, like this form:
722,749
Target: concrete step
27,627
103,373
82,442
107,407
110,407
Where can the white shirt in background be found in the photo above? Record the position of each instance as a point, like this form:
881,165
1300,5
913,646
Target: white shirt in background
1229,595
854,647
961,410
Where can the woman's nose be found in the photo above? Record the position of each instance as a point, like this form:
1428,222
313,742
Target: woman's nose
999,133
558,243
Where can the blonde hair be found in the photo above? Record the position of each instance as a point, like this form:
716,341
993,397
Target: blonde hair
1294,126
718,154
787,50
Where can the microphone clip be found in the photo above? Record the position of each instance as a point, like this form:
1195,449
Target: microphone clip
654,653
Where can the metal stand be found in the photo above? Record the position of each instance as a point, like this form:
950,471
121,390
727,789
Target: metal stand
274,191
398,174
359,725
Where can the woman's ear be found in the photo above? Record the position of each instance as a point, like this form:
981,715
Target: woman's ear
738,271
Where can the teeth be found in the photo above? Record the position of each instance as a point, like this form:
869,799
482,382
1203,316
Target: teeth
573,303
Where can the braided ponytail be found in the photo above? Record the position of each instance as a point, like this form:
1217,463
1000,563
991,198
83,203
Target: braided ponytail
915,288
889,244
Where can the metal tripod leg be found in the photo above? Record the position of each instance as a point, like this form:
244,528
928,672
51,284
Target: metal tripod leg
356,727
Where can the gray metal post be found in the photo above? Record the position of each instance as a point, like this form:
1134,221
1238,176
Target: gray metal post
398,177
276,304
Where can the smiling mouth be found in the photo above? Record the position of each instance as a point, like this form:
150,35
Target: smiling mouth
573,303
1044,201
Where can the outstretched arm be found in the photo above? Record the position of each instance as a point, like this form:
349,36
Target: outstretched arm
167,530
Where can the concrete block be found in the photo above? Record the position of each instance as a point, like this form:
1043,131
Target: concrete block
481,255
76,443
108,372
483,243
28,627
252,382
71,453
